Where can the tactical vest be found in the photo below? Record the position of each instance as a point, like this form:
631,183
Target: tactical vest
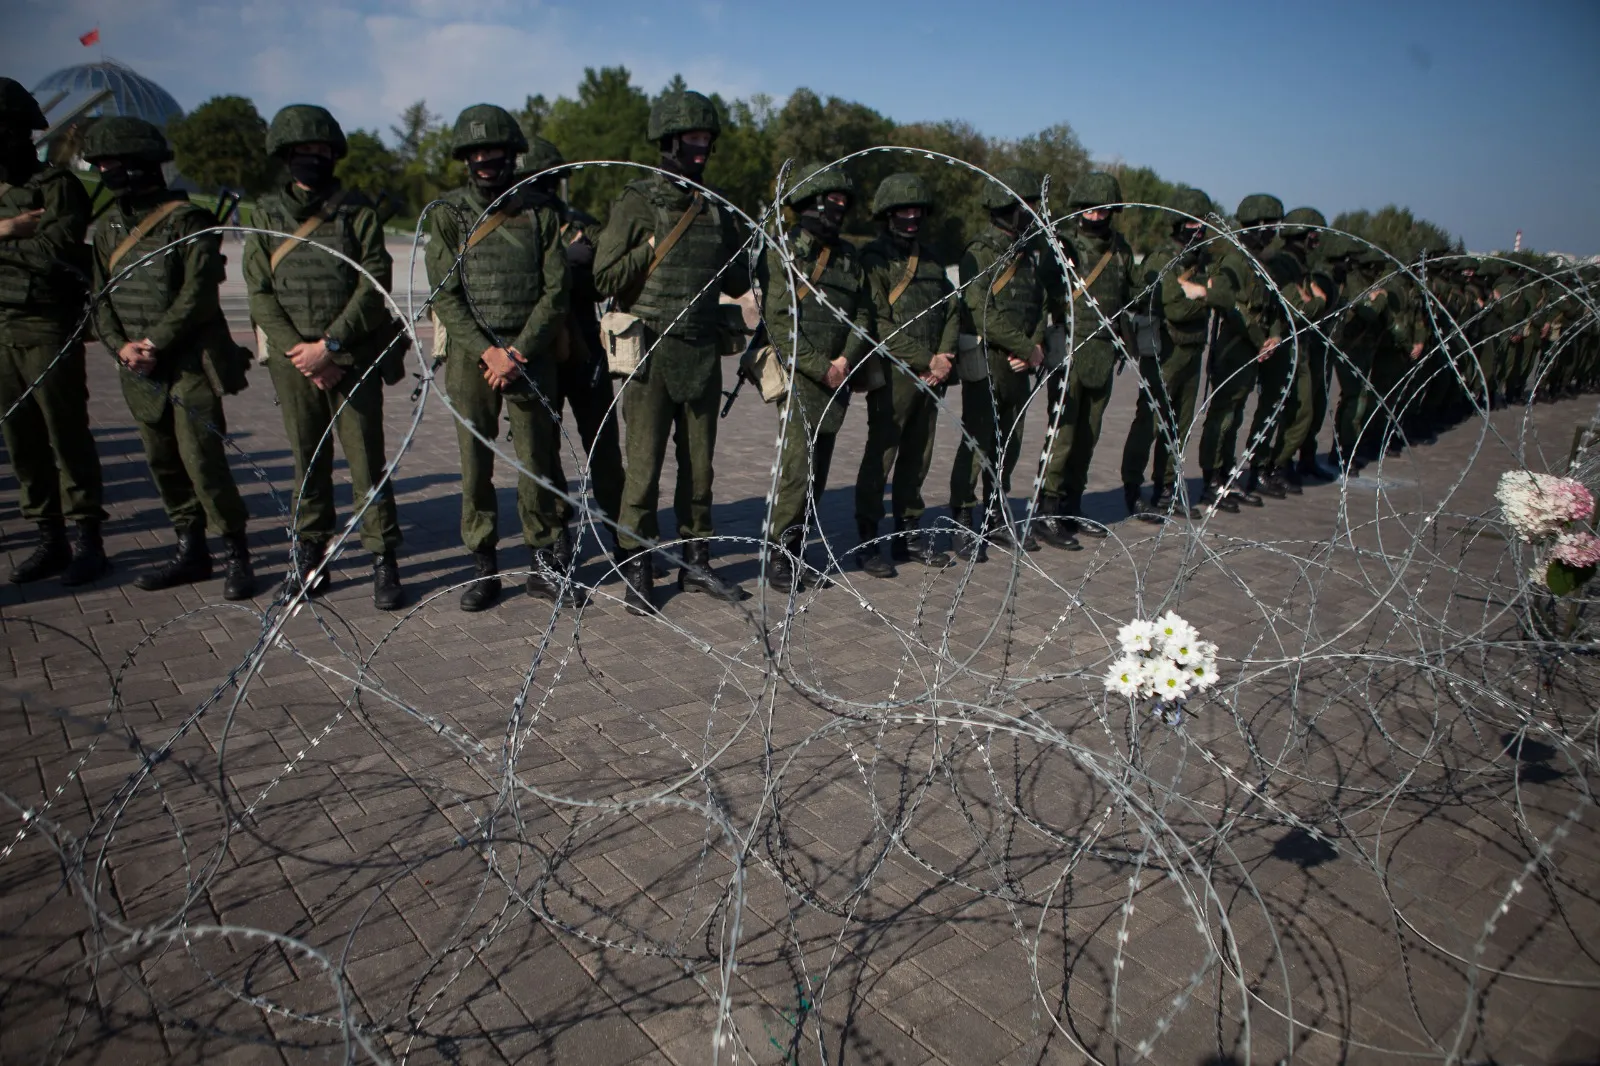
826,330
62,290
1164,268
910,314
313,288
142,296
1021,302
684,276
1110,289
503,274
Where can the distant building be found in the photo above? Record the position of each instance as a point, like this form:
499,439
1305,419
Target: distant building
74,96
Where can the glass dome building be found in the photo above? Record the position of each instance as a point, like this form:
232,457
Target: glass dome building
107,88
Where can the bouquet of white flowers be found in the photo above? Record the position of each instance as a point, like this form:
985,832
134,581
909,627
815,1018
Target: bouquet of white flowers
1551,513
1163,660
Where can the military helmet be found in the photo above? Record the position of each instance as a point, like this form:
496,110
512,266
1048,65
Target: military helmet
1190,202
820,180
675,113
18,107
486,126
1302,218
540,154
303,124
1095,189
1337,246
1259,209
901,190
1008,185
126,137
1372,255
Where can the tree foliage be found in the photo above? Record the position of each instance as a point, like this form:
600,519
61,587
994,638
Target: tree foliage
223,144
1396,230
606,121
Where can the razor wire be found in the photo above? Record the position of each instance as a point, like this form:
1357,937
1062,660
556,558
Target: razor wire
987,769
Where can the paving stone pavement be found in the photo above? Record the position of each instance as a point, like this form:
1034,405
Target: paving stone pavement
903,825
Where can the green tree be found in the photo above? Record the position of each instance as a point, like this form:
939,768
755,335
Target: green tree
1144,227
223,144
416,122
369,167
1054,151
1396,230
607,121
531,119
741,167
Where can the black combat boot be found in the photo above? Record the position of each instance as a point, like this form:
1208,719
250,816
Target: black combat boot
869,556
1213,496
1004,536
1266,484
1133,500
1311,470
969,541
191,563
545,581
1289,476
387,595
1166,504
485,590
307,557
50,556
89,554
1072,510
698,576
1050,529
238,580
920,544
786,563
564,547
638,582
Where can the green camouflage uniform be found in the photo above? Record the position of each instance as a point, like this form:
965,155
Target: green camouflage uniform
1300,424
43,279
510,291
171,300
1248,315
309,296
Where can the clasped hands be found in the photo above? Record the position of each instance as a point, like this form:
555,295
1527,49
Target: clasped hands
313,359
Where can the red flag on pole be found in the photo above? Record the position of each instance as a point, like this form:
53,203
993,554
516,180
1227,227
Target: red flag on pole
90,38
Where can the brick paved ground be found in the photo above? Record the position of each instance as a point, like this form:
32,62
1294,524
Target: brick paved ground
930,838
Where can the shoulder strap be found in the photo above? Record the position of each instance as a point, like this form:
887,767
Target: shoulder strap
1005,278
141,231
697,203
490,224
816,274
5,187
329,208
904,283
1093,276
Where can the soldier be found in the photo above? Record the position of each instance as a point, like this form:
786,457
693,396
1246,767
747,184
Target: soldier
826,350
499,269
1384,342
325,326
919,318
1096,296
1250,328
1179,326
44,268
665,254
163,322
582,377
1004,286
1314,295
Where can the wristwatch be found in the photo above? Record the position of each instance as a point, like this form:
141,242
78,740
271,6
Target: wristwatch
332,345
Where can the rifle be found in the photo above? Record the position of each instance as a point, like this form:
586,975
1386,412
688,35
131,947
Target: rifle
757,339
227,201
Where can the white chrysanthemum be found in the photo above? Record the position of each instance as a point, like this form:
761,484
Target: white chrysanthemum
1170,681
1172,630
1137,636
1203,674
1186,652
1126,676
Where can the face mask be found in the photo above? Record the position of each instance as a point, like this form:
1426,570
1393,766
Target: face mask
905,228
1011,219
492,174
1187,235
18,158
312,171
687,159
1256,239
1094,228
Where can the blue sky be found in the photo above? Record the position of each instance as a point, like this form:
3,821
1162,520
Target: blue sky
1480,116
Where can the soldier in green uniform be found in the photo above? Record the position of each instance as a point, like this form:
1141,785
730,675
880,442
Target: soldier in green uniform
666,254
1250,327
1096,296
164,324
1004,284
1386,338
919,320
821,346
325,326
583,380
1174,328
44,267
499,269
1313,296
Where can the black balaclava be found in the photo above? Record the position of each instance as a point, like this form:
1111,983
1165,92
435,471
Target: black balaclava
310,169
1013,219
1257,237
1185,233
823,217
18,156
905,230
683,158
491,177
134,177
1101,228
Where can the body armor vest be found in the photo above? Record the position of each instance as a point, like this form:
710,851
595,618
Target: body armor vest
60,292
823,330
313,288
145,292
503,274
685,275
1021,302
910,314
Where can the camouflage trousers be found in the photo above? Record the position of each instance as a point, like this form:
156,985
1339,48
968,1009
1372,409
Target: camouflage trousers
181,424
47,435
1163,416
901,421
